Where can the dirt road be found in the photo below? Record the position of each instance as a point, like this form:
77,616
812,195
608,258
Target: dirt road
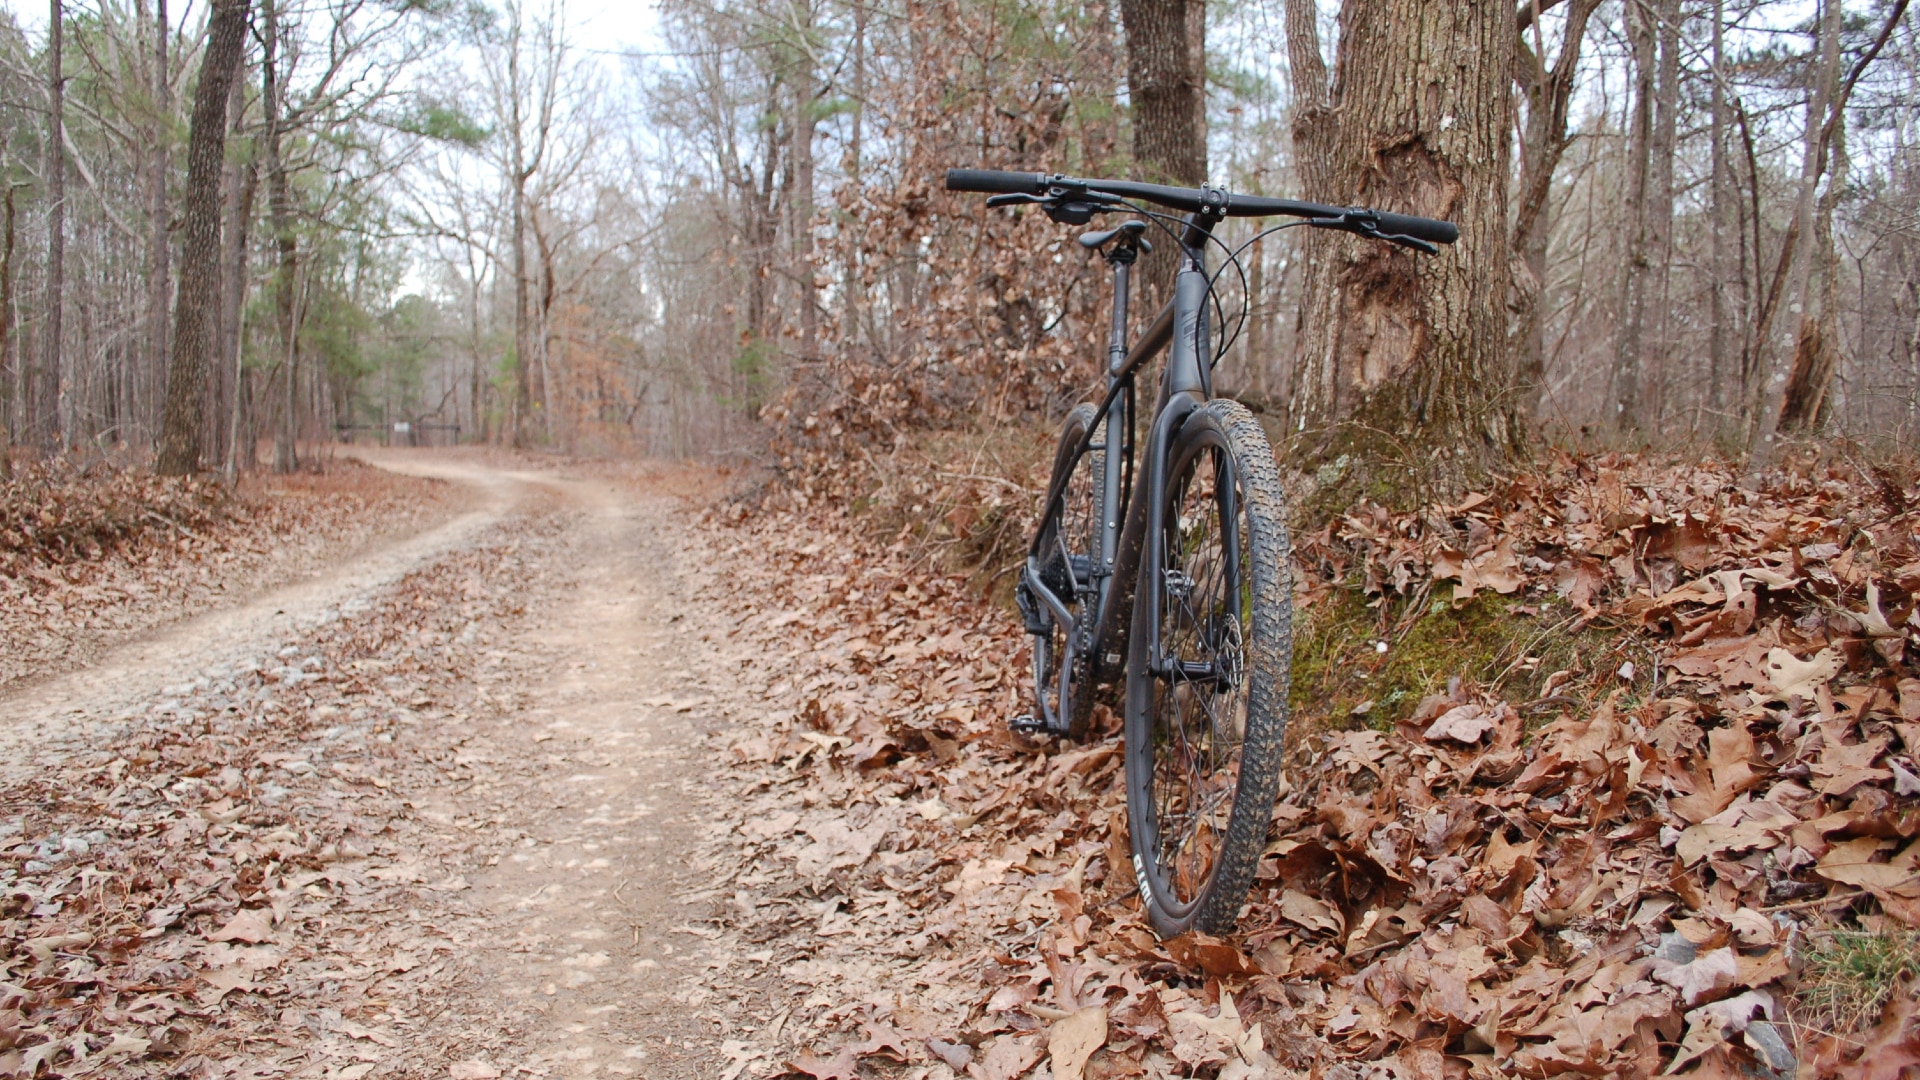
484,860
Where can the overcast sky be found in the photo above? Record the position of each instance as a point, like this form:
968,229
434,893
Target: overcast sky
611,25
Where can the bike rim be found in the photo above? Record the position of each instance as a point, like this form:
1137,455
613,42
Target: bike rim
1200,691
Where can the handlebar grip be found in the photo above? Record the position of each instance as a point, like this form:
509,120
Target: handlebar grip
1434,232
995,182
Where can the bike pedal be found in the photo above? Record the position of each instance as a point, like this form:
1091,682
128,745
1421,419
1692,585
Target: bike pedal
1028,724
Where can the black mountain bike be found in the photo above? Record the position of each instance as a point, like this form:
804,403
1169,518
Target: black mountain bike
1174,574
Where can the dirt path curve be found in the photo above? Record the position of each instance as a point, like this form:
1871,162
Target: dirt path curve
43,720
571,823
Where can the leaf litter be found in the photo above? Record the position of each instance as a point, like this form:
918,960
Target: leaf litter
91,557
1623,877
238,879
1628,884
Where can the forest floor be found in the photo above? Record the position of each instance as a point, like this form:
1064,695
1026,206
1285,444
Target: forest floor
586,771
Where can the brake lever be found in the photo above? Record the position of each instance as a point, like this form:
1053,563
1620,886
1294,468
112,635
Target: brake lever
1016,199
1365,228
1404,241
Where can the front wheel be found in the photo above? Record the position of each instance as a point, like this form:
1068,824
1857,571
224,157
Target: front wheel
1207,676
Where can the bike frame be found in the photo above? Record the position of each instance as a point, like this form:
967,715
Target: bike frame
1122,544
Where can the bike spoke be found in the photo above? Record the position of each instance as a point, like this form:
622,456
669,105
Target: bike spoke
1199,722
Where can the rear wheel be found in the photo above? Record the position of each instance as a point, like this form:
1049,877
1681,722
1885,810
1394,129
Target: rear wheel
1205,718
1066,553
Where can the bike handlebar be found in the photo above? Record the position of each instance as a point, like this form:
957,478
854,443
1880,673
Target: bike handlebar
1215,201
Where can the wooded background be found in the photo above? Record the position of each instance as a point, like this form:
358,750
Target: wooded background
1685,222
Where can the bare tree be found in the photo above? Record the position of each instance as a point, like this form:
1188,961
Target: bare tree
195,317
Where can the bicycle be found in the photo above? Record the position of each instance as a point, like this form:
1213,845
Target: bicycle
1172,574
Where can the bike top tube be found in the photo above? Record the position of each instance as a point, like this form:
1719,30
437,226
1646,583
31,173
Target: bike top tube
1208,201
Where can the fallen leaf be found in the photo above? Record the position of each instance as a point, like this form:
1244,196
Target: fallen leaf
1072,1041
248,924
1462,723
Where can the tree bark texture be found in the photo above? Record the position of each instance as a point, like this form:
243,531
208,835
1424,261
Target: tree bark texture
1167,88
1167,82
1403,359
52,336
197,304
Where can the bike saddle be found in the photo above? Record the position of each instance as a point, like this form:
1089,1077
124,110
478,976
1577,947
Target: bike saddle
1093,241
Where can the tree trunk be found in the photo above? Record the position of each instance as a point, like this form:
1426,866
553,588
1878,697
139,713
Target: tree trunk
1629,345
1167,85
804,125
1719,203
6,318
1657,342
159,239
1816,353
51,337
1542,144
522,342
1770,388
1402,358
199,293
233,319
286,448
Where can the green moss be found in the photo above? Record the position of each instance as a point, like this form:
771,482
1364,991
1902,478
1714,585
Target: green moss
1506,643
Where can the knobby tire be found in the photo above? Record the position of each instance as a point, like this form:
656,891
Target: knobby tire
1212,739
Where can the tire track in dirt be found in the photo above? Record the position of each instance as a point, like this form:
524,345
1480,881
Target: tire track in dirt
42,721
563,821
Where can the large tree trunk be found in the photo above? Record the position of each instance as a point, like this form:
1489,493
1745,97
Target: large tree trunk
1167,85
198,301
1543,143
1402,359
51,337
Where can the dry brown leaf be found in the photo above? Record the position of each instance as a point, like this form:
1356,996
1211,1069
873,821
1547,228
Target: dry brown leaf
1311,912
1070,1042
1009,1056
1462,723
251,925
